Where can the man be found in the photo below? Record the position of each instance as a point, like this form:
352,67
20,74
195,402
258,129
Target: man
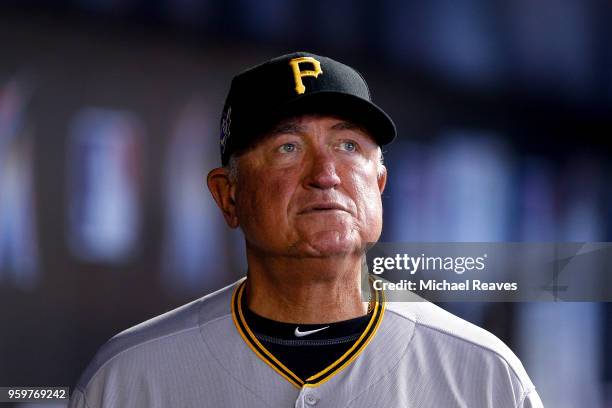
303,179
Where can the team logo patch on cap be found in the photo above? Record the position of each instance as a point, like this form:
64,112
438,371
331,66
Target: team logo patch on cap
226,123
298,73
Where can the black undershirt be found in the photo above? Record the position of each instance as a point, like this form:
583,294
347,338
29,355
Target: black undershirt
309,354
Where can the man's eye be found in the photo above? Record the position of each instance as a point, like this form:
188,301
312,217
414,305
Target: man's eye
349,146
288,148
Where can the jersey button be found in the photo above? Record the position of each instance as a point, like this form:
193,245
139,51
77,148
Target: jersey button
311,399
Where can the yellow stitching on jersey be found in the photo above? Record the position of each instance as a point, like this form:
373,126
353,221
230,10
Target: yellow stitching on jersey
356,344
238,292
254,339
378,307
350,360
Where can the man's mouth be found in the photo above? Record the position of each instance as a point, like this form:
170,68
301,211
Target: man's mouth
323,207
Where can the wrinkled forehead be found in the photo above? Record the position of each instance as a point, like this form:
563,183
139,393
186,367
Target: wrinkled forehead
301,123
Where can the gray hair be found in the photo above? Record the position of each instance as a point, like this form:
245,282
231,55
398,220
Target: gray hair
232,166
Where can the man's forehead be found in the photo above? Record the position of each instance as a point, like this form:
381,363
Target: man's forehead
299,124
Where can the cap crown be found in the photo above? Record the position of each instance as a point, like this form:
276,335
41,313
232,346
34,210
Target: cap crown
262,95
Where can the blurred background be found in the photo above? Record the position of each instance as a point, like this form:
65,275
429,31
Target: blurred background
109,123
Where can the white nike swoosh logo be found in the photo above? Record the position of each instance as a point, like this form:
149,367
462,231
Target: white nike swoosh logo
299,333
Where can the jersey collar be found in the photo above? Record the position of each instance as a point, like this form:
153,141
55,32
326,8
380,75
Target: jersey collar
324,375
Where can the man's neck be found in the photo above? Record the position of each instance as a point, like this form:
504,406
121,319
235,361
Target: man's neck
305,290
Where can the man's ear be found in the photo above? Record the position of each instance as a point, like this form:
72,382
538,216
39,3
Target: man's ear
224,194
382,178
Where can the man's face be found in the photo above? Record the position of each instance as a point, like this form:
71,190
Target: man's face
311,187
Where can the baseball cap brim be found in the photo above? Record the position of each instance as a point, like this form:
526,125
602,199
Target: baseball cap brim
359,110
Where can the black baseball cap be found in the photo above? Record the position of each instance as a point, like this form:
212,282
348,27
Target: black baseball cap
293,84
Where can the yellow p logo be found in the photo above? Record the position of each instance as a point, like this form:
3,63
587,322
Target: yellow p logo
298,74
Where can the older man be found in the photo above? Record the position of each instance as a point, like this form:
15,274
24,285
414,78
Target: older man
303,178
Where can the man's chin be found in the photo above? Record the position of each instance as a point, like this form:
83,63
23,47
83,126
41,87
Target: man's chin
332,243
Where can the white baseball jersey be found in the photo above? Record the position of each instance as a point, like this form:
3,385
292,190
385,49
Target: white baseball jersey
203,354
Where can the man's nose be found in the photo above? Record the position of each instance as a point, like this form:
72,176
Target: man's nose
322,172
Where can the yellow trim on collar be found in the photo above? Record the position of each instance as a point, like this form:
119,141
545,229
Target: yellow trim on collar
327,373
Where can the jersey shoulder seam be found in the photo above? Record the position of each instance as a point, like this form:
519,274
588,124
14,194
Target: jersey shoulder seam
196,325
223,316
526,392
99,370
418,323
84,396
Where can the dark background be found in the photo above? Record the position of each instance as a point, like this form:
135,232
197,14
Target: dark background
109,116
